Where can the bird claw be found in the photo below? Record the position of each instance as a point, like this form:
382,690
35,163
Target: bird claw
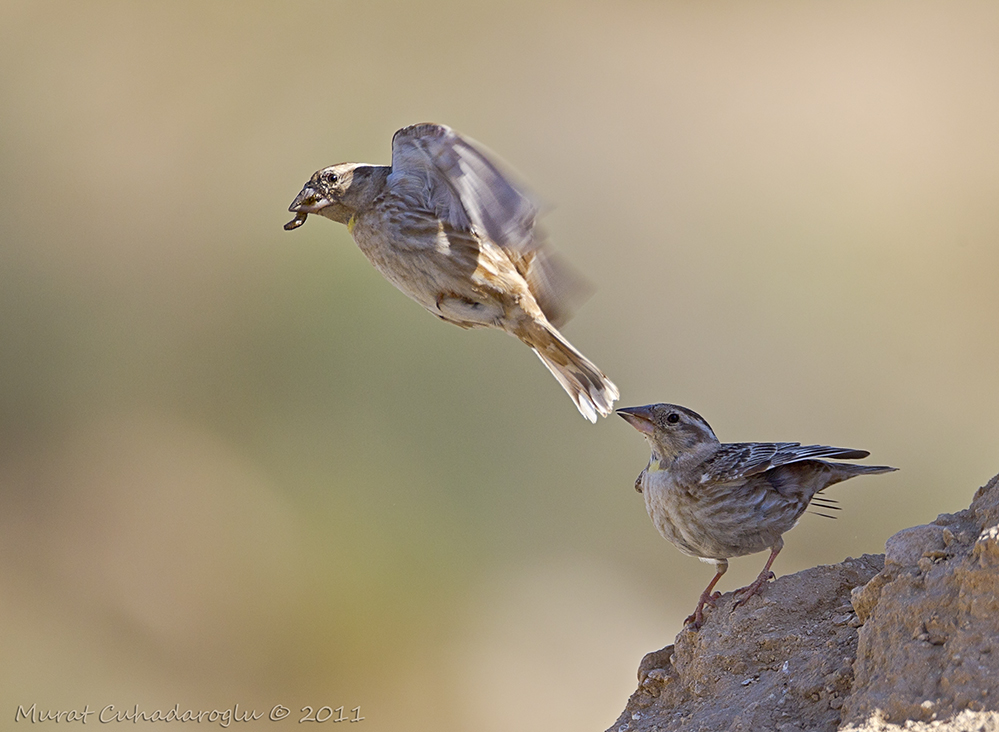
711,599
697,618
749,590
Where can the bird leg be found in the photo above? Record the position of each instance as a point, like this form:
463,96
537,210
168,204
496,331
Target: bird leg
707,598
765,576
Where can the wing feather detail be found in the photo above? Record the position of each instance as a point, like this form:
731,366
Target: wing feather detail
743,459
450,176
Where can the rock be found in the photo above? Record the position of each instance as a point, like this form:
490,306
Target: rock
930,645
905,640
785,658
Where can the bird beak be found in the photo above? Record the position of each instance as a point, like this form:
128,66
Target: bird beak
638,417
309,201
306,202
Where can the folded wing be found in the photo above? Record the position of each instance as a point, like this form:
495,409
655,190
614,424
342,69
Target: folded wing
741,460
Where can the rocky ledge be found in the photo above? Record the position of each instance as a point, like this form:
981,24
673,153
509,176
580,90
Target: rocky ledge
908,640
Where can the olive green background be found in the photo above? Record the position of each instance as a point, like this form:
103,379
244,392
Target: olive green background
237,466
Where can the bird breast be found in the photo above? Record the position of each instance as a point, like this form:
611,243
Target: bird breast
718,521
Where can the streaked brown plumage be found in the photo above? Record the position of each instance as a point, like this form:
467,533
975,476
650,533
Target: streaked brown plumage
715,501
446,227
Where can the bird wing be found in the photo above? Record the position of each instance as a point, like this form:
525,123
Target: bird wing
743,459
557,286
442,172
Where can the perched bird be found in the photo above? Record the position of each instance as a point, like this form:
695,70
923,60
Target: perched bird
446,227
714,501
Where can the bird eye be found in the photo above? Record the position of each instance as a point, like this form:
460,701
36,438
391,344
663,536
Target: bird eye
329,177
672,418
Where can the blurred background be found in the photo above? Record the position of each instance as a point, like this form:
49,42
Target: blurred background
238,467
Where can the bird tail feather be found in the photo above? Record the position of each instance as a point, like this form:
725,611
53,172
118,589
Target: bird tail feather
593,393
864,469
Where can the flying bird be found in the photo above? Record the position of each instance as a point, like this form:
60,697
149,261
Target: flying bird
444,225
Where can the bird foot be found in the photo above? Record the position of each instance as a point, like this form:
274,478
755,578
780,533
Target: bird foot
753,589
697,618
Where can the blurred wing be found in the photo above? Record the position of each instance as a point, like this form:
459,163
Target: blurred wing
741,460
447,175
557,287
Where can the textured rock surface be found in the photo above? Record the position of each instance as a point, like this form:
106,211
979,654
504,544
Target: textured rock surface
905,640
930,643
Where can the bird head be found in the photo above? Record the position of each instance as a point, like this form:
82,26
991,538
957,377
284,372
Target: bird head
670,430
337,192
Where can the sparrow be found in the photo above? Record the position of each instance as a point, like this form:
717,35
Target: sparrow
715,501
444,225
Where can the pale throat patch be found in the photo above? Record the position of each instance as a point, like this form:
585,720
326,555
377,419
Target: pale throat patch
351,223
